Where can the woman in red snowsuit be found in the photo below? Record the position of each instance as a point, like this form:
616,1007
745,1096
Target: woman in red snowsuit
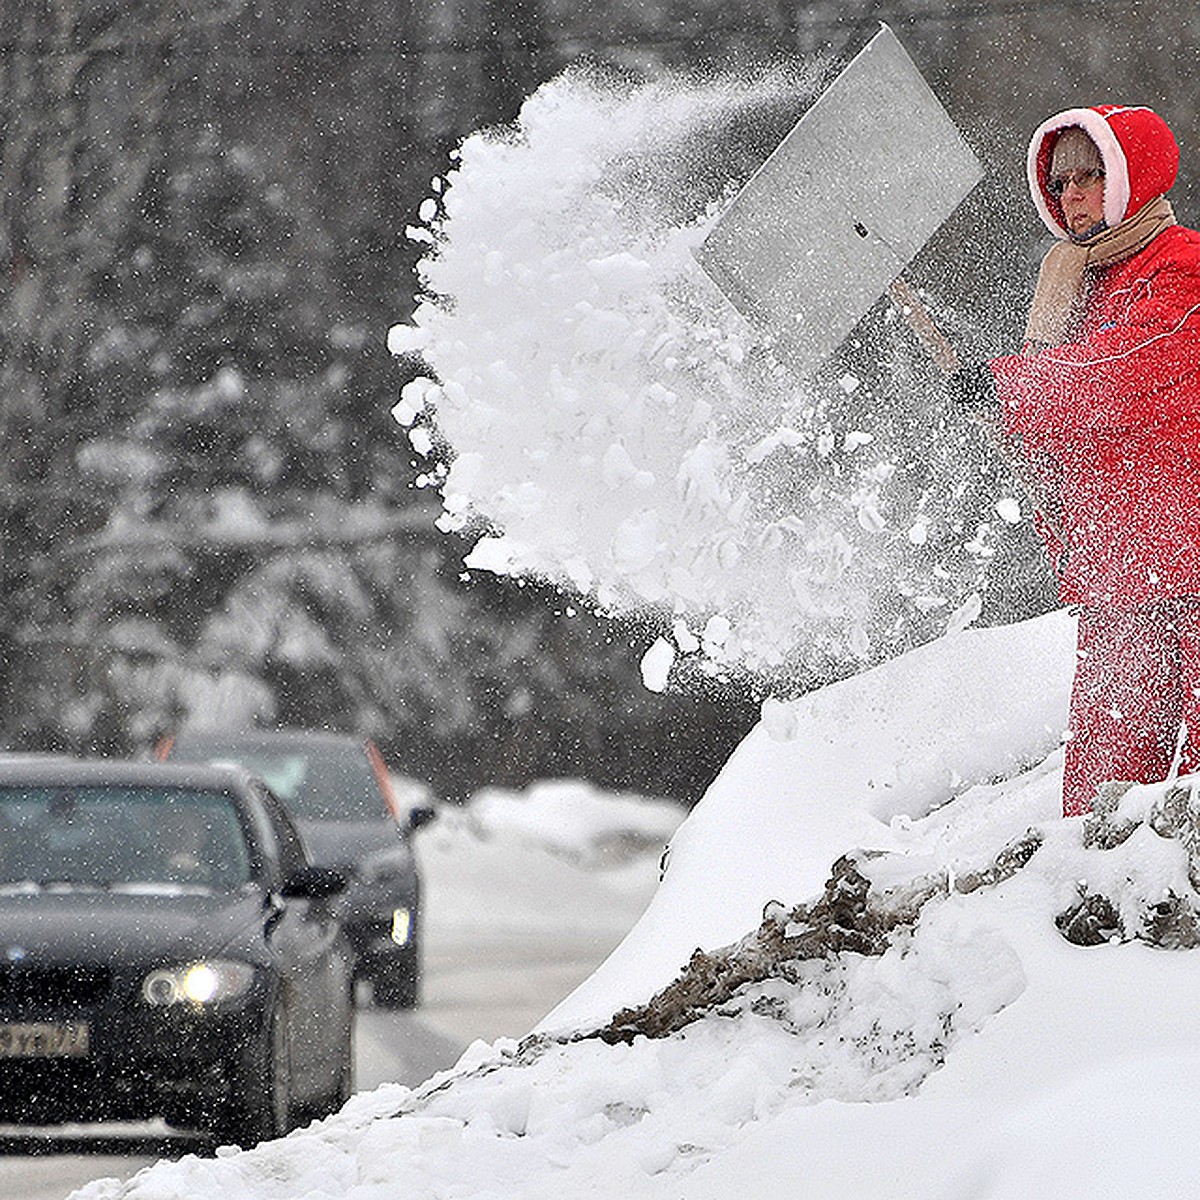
1103,406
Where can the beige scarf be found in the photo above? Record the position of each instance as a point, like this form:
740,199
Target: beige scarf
1062,287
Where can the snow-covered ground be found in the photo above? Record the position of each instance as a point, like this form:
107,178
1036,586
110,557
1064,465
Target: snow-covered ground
525,892
975,1055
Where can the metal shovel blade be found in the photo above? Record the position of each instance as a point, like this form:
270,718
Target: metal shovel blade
863,180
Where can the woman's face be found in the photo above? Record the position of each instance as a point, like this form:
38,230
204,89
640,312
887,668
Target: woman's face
1083,202
1077,179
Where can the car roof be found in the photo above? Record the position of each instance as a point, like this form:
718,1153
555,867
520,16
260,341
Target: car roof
266,739
63,772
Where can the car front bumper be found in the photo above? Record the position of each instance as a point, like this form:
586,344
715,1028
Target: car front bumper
141,1062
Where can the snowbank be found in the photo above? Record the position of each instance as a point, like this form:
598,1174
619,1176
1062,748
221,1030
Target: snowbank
575,819
849,765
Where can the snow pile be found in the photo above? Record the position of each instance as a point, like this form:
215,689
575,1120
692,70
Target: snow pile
1052,1066
617,427
848,765
559,860
576,820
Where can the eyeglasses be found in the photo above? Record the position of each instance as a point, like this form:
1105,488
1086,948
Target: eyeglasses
1084,180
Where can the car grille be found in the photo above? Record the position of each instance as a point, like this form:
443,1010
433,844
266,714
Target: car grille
52,987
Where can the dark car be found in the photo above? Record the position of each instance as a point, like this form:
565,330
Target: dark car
167,949
340,794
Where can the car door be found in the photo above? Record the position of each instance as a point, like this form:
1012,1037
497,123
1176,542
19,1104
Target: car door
306,937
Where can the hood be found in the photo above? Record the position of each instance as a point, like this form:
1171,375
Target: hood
1141,159
115,927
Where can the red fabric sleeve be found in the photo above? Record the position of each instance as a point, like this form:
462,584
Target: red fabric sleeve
1119,376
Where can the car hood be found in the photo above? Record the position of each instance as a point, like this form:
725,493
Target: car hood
344,843
85,925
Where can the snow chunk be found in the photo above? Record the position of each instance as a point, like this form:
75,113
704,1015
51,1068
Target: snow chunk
1009,510
619,470
779,719
415,396
656,665
685,639
496,554
421,441
635,543
918,533
870,518
406,339
781,437
717,630
966,614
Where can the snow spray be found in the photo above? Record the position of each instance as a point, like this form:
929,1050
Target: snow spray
612,424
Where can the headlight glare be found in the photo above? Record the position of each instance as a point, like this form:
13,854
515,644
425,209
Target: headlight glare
401,926
198,983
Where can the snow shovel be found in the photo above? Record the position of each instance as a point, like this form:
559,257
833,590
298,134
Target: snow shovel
831,220
841,207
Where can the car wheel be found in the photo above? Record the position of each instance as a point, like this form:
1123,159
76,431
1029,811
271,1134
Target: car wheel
264,1110
397,981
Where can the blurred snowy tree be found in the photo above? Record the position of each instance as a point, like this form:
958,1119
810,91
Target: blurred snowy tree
186,419
80,128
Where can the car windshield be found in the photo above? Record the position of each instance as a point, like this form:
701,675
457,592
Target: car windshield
105,835
318,784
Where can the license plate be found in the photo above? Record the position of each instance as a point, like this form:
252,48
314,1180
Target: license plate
43,1039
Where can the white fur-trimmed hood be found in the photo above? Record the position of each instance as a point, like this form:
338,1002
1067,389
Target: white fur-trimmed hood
1139,152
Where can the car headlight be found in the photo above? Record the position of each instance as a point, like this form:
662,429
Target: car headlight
198,983
401,927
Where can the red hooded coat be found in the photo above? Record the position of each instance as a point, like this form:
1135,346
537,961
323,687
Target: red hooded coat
1111,420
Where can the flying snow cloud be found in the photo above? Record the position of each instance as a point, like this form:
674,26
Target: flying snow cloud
614,425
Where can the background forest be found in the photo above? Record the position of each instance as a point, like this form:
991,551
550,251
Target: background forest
205,507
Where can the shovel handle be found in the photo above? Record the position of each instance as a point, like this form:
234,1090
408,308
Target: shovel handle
946,358
917,315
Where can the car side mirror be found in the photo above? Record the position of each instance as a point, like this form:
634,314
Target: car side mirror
314,883
422,814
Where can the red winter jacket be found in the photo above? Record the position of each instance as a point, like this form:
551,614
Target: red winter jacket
1111,420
